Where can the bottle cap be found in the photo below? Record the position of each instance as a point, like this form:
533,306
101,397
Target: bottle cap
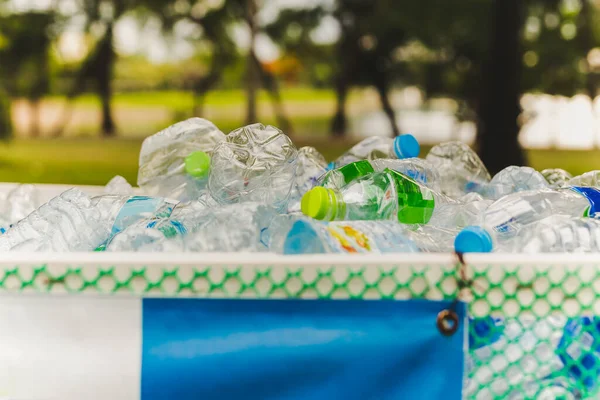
406,146
318,202
197,164
473,239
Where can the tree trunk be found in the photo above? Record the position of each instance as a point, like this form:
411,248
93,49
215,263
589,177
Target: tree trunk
34,126
252,77
339,122
587,42
104,75
5,116
498,128
381,84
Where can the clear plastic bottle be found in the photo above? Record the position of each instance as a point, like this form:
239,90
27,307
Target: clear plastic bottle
403,146
236,227
560,234
505,218
556,177
589,179
69,222
311,165
339,177
306,236
254,163
380,195
461,170
514,179
416,168
118,185
174,162
18,203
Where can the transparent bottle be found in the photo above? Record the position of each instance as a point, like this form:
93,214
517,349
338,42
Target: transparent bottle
338,177
461,170
174,162
374,147
416,168
514,179
255,163
118,185
556,177
308,236
507,217
69,222
377,196
311,165
589,179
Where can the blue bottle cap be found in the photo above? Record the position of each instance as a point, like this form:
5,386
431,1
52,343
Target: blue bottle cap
473,239
406,146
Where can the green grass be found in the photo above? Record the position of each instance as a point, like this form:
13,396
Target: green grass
96,161
179,100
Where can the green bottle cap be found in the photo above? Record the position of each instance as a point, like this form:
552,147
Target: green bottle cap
197,164
319,203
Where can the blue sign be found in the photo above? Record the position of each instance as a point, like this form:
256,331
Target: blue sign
299,349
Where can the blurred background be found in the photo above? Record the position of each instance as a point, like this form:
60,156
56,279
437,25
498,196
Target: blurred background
83,82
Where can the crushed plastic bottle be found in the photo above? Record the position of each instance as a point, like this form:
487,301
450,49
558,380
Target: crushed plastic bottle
556,177
589,179
560,234
69,222
461,170
403,146
315,237
311,165
236,227
118,185
377,196
505,218
514,179
416,168
18,203
174,163
339,177
255,164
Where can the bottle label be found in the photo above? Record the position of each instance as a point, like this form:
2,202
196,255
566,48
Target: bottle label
137,208
592,194
364,237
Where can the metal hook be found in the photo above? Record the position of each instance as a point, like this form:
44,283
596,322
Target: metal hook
447,322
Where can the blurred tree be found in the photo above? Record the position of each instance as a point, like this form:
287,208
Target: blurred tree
25,66
98,66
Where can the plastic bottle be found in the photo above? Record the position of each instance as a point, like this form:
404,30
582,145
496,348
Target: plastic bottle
403,146
560,234
174,162
505,218
589,179
311,165
235,227
254,163
69,222
514,179
338,177
461,170
556,177
315,237
416,168
18,203
151,234
118,185
380,195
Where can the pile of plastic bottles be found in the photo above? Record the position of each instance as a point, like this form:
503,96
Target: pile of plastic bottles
253,190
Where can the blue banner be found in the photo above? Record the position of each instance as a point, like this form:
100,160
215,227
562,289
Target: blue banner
299,349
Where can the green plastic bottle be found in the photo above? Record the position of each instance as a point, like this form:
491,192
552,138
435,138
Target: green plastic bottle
379,195
336,178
